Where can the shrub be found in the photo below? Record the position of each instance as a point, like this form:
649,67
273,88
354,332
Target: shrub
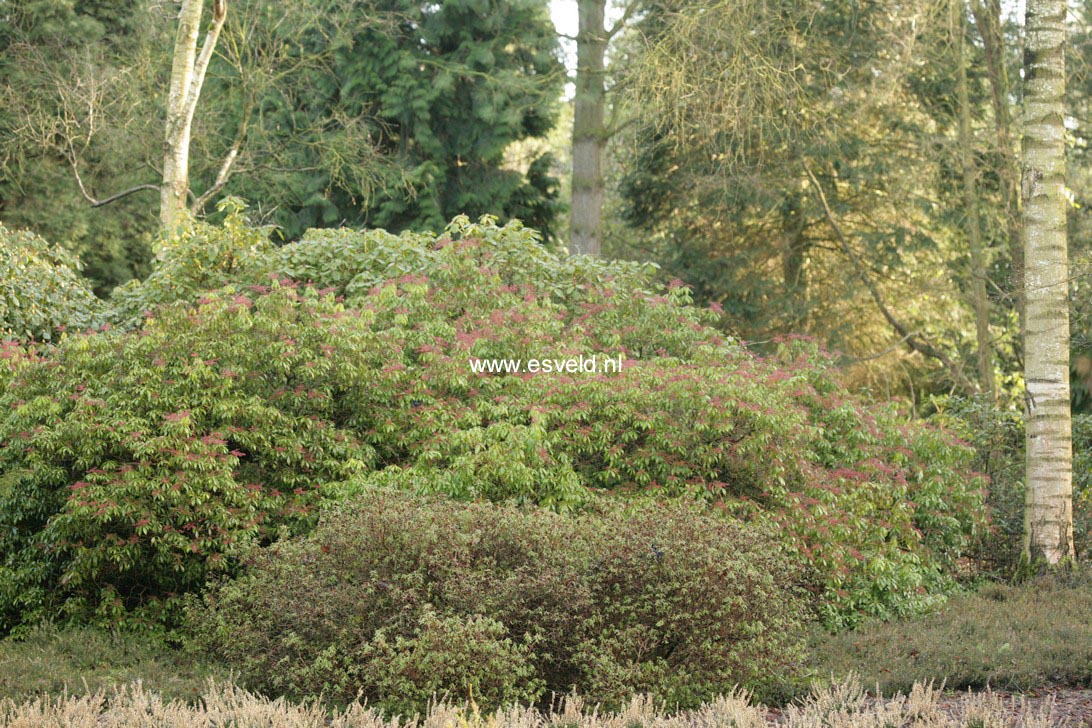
497,462
470,656
133,464
199,257
41,294
402,596
373,381
881,508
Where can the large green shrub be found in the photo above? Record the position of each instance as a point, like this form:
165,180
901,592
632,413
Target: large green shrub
41,294
373,379
402,596
135,463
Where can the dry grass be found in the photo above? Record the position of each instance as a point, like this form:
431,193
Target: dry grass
844,706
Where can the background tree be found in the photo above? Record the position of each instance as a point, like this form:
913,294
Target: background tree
720,174
449,88
592,129
321,112
58,62
188,68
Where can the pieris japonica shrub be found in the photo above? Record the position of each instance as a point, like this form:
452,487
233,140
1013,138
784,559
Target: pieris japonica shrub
136,461
405,597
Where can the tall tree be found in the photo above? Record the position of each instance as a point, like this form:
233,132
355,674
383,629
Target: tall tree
188,68
597,117
589,132
1048,519
972,217
987,17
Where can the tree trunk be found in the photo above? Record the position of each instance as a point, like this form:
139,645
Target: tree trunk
187,76
988,19
974,227
794,248
1048,516
589,134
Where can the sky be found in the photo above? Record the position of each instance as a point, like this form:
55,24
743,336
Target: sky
564,16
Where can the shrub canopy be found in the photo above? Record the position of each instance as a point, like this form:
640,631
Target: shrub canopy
137,460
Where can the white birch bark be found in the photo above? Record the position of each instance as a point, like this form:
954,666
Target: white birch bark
1048,519
187,76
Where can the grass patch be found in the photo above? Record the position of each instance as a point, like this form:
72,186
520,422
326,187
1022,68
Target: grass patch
1008,637
84,661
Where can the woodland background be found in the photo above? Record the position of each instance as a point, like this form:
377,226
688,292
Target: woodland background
402,115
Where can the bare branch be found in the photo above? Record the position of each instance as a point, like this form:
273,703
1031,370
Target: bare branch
74,162
221,178
619,24
126,193
915,341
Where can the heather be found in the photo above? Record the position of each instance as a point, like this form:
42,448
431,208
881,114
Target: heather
1001,636
845,706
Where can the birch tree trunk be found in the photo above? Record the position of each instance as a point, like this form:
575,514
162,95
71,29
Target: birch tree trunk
187,76
1048,514
589,133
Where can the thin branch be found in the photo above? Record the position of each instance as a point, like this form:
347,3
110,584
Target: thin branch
229,162
221,179
621,22
913,340
880,354
614,127
219,13
112,198
126,193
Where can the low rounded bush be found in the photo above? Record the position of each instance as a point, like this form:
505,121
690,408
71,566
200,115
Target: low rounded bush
471,656
404,596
